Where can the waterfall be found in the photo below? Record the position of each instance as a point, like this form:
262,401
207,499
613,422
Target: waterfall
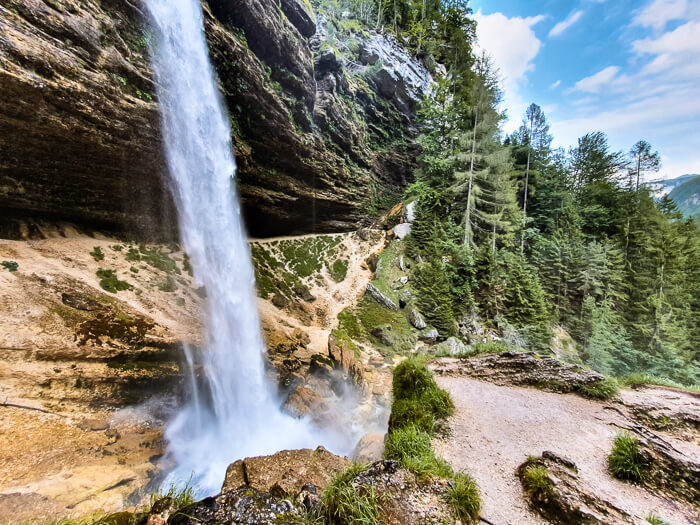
232,412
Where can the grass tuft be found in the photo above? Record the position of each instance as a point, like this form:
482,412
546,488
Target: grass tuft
602,390
97,254
110,282
10,266
626,461
655,520
343,503
464,498
536,480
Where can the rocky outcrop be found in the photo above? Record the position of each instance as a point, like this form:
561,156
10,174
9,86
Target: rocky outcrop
80,130
285,473
555,490
522,368
382,299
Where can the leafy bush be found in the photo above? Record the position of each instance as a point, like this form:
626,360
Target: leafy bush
603,390
536,480
10,266
414,382
97,254
626,460
342,503
110,282
463,496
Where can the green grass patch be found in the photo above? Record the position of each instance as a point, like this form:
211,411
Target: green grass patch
626,461
10,266
602,390
167,285
637,380
110,282
339,270
655,520
464,498
536,480
413,381
343,503
411,447
158,259
97,254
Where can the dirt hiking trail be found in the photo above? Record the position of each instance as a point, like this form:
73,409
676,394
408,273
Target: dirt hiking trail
495,428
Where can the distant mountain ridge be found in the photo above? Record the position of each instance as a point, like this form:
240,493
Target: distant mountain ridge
687,197
663,187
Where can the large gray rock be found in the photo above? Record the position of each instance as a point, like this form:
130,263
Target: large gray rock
452,346
416,319
429,336
382,299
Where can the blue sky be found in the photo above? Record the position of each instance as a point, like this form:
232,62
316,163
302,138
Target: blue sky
629,68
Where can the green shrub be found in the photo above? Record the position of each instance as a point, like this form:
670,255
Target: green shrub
626,460
439,402
133,255
603,390
463,496
637,380
97,254
187,265
342,503
158,259
10,266
110,282
536,480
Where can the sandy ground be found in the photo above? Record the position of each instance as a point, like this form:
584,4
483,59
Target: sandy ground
496,427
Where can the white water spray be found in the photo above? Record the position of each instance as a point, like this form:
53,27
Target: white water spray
233,414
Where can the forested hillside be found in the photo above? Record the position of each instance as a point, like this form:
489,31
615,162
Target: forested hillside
523,237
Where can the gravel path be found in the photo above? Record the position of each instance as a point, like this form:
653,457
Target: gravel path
496,427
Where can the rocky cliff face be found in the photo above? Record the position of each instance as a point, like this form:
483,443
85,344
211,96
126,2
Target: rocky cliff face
320,110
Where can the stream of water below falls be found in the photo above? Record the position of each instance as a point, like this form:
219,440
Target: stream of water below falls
233,412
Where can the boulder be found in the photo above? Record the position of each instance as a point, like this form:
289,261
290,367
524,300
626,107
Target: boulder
369,449
285,474
383,333
382,299
416,319
429,336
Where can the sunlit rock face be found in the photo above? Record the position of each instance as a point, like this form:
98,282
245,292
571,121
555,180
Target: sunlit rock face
317,135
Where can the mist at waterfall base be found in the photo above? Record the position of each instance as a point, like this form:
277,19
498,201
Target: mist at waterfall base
232,413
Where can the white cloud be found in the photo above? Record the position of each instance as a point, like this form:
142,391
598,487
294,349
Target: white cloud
660,12
566,23
555,85
513,45
595,83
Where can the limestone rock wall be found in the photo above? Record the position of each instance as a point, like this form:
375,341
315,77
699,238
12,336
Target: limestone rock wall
321,133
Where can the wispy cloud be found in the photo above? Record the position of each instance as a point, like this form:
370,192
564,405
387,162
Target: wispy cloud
555,85
595,83
660,12
565,24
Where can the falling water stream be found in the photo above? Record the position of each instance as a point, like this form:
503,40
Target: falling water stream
232,411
